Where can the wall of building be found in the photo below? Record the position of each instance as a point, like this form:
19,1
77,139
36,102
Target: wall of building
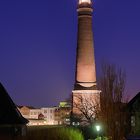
46,115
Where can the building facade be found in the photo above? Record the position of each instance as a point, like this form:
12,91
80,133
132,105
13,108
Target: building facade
133,109
47,115
63,113
34,113
25,111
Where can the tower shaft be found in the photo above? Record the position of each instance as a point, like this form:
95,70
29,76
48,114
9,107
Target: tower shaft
85,61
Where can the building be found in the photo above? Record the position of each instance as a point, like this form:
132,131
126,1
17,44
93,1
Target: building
133,108
49,115
11,120
34,113
25,111
85,76
62,113
40,116
43,116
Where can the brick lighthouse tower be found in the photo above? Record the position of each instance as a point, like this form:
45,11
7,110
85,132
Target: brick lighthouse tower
85,74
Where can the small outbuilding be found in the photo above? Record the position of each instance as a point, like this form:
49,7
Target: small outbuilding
11,120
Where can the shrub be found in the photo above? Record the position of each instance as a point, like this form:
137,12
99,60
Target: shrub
52,133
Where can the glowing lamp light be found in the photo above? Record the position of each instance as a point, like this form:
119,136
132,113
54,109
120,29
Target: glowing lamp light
84,1
98,128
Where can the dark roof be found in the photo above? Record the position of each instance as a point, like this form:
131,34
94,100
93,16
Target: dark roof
30,107
9,113
134,99
134,104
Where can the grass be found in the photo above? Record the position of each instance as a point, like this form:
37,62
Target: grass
48,133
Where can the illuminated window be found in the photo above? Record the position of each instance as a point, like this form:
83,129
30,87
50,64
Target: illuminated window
132,120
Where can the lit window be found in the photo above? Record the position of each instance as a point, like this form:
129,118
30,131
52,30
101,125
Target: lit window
67,120
132,120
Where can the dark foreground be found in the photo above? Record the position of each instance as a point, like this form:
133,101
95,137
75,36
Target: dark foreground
46,133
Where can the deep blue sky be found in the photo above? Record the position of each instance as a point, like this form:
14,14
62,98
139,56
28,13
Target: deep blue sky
38,43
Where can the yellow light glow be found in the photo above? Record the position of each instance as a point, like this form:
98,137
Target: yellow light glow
84,1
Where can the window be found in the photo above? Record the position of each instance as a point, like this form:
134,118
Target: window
132,120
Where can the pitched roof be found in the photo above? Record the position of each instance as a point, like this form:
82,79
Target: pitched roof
30,107
134,99
9,113
134,103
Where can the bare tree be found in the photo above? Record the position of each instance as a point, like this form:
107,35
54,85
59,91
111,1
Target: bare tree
86,107
108,106
113,115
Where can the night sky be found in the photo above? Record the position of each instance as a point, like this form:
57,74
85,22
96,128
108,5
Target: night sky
38,45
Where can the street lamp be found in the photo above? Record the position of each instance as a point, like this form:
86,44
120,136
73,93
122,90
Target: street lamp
98,129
